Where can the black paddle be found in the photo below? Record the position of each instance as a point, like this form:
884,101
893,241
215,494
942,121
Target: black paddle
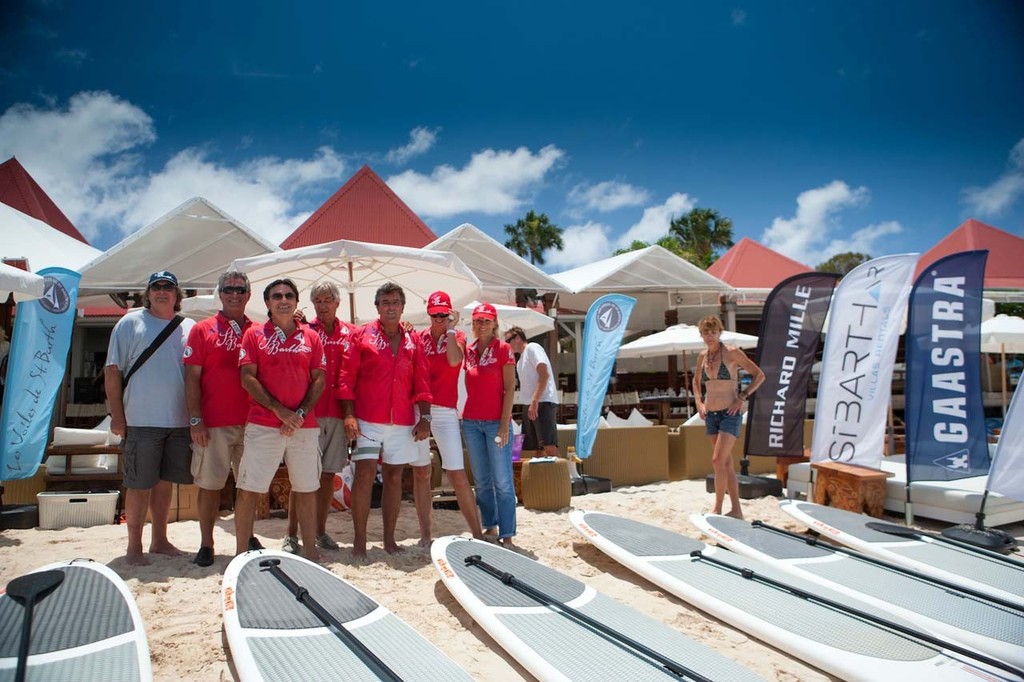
367,657
508,579
27,590
914,534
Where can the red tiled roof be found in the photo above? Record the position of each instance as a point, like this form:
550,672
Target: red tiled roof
19,190
750,265
1003,268
366,210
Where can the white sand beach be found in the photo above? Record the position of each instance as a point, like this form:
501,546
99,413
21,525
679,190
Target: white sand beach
180,601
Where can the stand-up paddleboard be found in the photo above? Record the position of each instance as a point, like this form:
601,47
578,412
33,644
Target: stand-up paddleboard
974,568
833,631
560,629
275,636
996,630
87,628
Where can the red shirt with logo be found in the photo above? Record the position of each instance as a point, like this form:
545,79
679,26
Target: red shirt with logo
214,345
283,366
335,345
485,380
444,379
384,385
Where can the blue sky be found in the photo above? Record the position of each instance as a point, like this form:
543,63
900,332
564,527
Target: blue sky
817,127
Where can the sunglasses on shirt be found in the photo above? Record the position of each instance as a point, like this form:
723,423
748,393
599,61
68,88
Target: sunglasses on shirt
287,295
233,290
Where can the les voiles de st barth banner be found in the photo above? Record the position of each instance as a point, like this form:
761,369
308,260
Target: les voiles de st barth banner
39,353
602,335
855,384
794,313
944,416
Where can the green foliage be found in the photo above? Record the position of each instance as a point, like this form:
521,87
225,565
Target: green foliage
842,263
532,236
700,233
1016,309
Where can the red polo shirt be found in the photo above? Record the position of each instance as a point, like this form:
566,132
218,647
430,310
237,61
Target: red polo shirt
485,380
384,385
444,379
214,345
335,345
283,367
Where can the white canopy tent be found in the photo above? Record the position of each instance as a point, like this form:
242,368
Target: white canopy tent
1003,334
22,236
23,284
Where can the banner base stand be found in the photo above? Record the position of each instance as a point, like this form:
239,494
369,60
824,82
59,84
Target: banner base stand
751,487
987,538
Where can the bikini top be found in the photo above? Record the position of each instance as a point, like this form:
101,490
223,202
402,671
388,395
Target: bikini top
723,371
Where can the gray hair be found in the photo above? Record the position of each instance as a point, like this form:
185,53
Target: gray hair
325,287
230,275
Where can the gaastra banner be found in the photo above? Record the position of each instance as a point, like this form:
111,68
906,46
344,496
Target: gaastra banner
856,366
945,418
794,313
1007,474
39,354
602,335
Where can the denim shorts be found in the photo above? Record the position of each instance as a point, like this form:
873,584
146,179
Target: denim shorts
721,421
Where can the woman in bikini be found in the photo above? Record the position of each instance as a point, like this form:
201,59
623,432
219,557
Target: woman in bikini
722,405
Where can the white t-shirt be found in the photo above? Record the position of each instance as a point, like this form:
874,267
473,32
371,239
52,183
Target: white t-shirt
533,356
156,394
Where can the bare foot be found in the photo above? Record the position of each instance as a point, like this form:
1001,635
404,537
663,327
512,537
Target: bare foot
165,548
717,512
136,559
393,548
314,556
506,543
736,513
359,553
491,532
425,542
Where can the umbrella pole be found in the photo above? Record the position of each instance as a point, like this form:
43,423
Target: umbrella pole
686,386
351,296
1003,373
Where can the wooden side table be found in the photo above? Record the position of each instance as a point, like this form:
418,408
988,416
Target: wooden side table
846,486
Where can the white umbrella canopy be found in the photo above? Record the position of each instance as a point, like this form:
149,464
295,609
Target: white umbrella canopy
359,268
1002,334
23,284
680,338
531,321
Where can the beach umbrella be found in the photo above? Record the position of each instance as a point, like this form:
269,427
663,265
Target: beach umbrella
1003,334
359,268
23,284
531,321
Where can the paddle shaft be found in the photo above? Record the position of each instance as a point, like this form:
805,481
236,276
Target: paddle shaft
905,532
367,657
750,574
924,577
532,592
27,590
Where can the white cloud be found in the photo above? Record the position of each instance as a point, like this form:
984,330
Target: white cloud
863,240
608,196
654,223
421,139
996,198
492,182
583,244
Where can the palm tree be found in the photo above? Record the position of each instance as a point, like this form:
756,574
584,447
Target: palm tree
700,232
533,235
668,242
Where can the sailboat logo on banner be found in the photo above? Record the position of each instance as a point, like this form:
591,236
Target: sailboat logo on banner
609,316
959,461
55,298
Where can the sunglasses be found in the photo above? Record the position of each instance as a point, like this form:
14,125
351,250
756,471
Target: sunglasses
438,316
233,290
287,295
162,286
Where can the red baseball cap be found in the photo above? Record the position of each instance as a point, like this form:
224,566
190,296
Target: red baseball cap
439,302
485,311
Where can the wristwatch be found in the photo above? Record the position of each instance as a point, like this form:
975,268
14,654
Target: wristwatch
301,412
427,417
195,421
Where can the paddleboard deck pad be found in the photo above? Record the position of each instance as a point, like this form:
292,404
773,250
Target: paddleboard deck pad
1002,577
273,636
989,628
734,589
88,628
553,645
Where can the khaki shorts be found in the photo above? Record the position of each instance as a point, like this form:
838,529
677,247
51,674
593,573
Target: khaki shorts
265,447
333,444
223,452
394,442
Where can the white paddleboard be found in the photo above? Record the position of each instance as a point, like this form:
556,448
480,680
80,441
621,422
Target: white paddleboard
273,636
1002,577
841,644
88,628
551,643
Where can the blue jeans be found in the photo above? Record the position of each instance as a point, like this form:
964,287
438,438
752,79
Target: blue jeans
492,475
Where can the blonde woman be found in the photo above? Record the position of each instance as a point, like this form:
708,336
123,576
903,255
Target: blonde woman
721,404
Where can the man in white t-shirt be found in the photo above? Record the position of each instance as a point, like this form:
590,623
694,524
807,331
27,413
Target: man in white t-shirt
536,384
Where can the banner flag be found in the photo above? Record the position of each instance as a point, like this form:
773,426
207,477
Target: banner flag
1007,474
944,415
35,371
856,366
794,313
602,334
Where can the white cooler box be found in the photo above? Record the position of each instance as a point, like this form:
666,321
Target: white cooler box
59,510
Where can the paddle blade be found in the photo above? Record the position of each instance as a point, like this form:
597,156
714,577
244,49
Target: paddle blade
28,588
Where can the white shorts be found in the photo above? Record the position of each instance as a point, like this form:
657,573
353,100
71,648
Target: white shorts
444,427
333,444
393,442
264,449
